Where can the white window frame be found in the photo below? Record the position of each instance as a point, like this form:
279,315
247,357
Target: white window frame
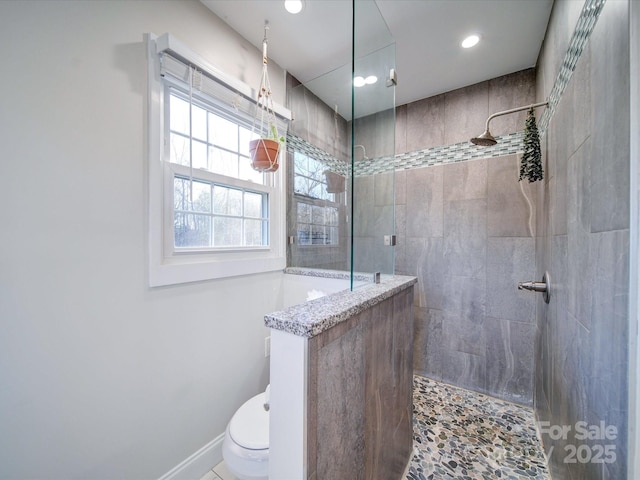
167,265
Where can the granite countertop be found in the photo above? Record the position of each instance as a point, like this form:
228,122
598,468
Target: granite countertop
340,274
313,317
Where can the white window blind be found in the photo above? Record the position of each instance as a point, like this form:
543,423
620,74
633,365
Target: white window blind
234,97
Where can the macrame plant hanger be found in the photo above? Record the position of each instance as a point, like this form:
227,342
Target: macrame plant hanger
265,150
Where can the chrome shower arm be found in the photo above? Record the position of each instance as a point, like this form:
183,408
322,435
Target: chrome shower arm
513,110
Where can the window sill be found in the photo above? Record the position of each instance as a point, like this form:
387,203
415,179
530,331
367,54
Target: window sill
173,272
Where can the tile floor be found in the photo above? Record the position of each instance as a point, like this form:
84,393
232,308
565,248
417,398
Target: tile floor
459,434
464,435
219,472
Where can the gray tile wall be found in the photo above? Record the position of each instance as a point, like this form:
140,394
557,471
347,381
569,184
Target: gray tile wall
461,114
583,241
467,231
468,235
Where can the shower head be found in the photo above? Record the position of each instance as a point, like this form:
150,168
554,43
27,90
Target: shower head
485,139
364,152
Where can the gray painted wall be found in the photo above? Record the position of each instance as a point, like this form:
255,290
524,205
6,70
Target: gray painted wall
467,231
583,240
101,376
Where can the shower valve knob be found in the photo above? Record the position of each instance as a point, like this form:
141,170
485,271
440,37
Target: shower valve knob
543,287
533,286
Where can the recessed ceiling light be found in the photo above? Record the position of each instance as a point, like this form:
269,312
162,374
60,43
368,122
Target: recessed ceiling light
293,6
359,81
370,79
470,41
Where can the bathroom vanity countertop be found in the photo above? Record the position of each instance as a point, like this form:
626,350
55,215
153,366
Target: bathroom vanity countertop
313,317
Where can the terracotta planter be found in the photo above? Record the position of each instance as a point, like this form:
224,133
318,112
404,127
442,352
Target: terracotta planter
264,154
335,182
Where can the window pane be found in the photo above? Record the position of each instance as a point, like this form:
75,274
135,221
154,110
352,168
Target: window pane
182,195
199,155
245,137
252,205
199,123
178,115
192,230
223,162
253,232
201,197
227,232
179,149
227,201
248,173
223,133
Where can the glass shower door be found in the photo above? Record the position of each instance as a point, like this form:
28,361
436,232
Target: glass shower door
373,142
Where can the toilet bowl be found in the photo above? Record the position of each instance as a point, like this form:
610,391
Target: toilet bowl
245,448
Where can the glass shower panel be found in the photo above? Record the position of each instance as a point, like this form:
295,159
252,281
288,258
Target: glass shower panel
340,149
373,142
318,146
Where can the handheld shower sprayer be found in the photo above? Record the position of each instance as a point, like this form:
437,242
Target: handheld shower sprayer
485,139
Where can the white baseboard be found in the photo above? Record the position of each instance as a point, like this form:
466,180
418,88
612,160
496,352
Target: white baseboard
198,464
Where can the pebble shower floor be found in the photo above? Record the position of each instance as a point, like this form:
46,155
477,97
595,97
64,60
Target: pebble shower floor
459,434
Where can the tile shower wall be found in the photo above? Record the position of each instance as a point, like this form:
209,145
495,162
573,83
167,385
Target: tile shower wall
583,239
467,231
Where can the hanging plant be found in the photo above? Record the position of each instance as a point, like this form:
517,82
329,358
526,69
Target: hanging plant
531,162
265,150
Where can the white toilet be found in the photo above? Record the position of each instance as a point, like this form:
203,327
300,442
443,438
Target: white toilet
246,442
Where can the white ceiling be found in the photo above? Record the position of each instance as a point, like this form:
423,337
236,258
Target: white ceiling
427,36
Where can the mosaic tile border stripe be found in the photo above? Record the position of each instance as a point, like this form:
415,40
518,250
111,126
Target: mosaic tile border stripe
586,22
332,163
458,152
